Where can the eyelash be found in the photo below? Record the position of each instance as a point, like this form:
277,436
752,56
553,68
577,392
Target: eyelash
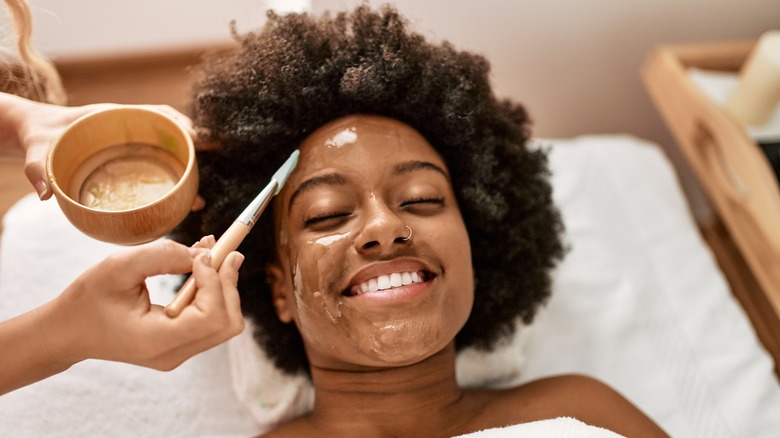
423,200
411,202
323,217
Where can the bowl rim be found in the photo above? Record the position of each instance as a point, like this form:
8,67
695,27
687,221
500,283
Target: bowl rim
185,176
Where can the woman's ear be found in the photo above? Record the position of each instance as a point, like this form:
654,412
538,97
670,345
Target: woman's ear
280,292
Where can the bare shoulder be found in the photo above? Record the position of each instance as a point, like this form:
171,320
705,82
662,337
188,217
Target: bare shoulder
584,398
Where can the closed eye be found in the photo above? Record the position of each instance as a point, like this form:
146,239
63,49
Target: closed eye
423,205
326,220
423,200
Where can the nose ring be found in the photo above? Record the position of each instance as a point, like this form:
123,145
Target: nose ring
409,237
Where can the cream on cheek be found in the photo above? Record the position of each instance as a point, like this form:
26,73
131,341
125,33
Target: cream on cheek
318,303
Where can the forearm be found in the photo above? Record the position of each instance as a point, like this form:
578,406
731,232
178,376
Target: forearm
11,118
27,355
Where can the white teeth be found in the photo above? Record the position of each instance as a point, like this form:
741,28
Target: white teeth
383,282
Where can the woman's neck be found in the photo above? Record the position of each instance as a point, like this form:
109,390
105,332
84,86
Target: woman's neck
402,401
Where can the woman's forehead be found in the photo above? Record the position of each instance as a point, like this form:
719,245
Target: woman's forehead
360,149
377,133
363,138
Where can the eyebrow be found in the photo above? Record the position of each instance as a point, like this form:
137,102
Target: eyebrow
336,179
332,179
411,166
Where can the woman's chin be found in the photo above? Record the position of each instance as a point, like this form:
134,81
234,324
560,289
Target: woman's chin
403,352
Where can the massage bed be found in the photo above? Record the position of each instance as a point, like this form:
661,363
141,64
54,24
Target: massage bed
639,302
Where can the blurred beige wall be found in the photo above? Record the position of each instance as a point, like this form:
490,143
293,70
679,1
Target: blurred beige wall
574,63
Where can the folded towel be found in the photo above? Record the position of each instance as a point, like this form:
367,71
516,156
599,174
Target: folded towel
563,427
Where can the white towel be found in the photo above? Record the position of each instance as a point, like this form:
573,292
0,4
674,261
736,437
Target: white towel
40,254
563,427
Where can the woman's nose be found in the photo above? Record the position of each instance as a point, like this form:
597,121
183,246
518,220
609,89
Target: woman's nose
383,230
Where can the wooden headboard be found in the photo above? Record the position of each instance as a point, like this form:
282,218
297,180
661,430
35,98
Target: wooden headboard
147,78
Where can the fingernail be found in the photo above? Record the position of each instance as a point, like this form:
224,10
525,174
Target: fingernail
205,258
40,188
238,260
211,239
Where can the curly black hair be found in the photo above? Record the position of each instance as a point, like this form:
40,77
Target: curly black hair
259,101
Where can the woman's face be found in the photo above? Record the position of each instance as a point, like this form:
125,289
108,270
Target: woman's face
360,294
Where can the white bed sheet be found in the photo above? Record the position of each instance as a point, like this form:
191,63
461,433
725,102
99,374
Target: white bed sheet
638,303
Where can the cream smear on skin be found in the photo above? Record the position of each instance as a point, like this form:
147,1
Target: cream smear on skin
324,265
345,137
329,240
393,337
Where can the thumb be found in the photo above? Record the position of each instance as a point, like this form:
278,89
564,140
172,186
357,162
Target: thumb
155,258
35,170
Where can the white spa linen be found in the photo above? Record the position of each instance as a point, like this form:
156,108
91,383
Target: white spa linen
40,254
563,427
638,303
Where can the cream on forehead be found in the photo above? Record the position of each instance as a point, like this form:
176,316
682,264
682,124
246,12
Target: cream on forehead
346,130
344,137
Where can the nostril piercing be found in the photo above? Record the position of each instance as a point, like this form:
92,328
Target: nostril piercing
409,237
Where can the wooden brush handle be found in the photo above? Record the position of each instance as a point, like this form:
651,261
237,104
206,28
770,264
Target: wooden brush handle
225,245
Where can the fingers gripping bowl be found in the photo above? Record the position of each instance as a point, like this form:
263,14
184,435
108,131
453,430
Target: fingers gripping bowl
125,175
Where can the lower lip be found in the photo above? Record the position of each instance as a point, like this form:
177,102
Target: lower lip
394,295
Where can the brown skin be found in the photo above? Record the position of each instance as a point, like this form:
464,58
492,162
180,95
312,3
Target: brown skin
383,363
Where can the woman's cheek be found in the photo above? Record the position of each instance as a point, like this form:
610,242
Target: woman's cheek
318,274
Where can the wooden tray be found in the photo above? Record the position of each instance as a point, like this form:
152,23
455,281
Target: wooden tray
731,168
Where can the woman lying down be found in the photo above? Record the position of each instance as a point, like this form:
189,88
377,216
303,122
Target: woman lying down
416,223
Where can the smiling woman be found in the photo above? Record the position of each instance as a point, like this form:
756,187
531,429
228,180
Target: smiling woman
418,222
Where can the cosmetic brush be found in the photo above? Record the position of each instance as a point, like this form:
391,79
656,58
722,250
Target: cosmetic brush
236,233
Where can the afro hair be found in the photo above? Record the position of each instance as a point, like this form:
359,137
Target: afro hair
260,100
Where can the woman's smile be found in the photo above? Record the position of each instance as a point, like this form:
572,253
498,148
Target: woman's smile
385,280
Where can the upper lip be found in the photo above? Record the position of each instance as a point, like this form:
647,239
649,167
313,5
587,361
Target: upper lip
386,268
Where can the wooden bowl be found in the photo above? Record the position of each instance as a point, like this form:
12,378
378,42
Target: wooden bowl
125,175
